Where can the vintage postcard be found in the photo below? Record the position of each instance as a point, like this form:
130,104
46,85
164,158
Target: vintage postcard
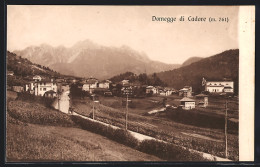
130,83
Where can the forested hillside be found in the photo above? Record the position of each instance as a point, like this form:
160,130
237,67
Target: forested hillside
218,67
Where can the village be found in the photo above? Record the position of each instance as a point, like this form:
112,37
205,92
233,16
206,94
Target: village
152,110
161,112
53,87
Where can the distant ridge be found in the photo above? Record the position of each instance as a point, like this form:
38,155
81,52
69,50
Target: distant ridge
191,60
217,67
87,58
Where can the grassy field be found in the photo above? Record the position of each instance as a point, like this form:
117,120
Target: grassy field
30,142
37,133
25,119
198,137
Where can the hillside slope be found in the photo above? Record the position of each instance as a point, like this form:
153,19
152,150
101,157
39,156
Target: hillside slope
217,67
24,69
191,60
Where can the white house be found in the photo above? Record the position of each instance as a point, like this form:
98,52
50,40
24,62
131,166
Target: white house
219,86
187,103
152,89
37,78
44,86
125,82
30,87
104,84
90,85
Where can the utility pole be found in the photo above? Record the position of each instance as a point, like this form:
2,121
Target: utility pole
59,100
226,131
93,109
126,115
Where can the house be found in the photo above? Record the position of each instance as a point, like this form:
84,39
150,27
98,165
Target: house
29,87
90,85
43,86
187,103
151,90
104,84
202,100
37,78
186,91
219,86
10,73
125,82
50,94
18,88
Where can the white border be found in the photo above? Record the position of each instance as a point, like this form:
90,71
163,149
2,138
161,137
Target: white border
246,82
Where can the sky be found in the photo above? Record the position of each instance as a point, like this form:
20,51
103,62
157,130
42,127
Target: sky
126,25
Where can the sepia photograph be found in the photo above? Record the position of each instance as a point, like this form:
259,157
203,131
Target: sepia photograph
89,83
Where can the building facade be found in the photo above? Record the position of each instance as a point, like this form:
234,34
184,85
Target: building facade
44,86
186,91
187,103
219,86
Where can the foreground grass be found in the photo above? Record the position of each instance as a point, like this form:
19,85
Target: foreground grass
63,142
30,142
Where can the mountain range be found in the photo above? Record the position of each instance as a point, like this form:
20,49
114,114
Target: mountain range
86,59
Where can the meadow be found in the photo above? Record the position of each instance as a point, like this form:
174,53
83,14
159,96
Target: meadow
38,133
201,129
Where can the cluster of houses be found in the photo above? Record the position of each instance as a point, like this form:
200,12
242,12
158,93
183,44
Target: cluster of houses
41,86
49,87
128,88
201,100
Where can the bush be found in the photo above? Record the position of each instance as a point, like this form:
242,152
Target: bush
168,151
118,135
162,150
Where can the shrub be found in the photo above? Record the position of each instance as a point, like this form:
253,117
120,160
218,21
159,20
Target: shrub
118,135
168,151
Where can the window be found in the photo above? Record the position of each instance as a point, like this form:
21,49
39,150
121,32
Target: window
40,88
44,89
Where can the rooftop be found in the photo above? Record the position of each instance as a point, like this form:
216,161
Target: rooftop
186,99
